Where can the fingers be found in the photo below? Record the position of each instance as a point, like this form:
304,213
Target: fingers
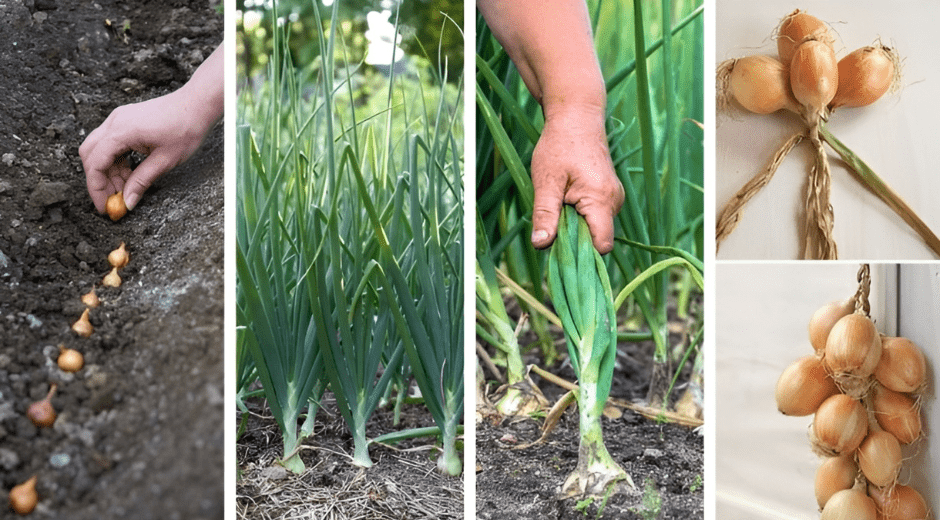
599,214
104,172
546,207
155,165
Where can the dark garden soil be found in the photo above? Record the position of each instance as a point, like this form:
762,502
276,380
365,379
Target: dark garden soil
665,460
139,430
402,484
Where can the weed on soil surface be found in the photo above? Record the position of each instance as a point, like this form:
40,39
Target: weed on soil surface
139,431
402,483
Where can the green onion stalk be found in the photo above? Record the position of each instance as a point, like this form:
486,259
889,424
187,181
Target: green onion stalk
580,290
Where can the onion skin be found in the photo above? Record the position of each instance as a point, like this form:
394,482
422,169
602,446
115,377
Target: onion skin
115,206
853,346
902,367
865,76
879,458
823,320
896,413
761,84
796,28
850,504
899,503
840,425
814,76
833,475
23,497
803,386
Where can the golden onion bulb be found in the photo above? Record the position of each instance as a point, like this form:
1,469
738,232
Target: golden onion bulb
834,475
879,458
814,76
899,503
761,84
823,320
803,386
864,76
902,367
897,413
796,28
840,425
849,504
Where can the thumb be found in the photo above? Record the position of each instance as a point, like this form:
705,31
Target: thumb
142,177
546,209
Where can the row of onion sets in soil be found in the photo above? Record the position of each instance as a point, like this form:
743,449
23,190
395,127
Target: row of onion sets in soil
808,80
865,390
25,497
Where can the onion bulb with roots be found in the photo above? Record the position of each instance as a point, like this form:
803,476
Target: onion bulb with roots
902,367
23,497
850,504
896,413
864,76
899,503
803,386
814,77
879,458
797,27
840,425
853,350
833,475
823,320
761,84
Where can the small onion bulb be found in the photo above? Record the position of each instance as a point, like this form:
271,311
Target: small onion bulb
70,360
112,279
23,497
83,327
849,504
899,503
797,27
761,84
840,425
814,76
834,475
119,257
864,76
896,413
823,320
115,206
803,386
879,458
90,299
902,367
41,413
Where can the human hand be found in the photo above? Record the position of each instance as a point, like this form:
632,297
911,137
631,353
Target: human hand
571,164
161,129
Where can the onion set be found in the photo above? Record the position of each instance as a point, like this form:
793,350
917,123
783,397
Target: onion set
112,279
90,299
23,497
115,206
119,258
41,413
83,327
70,360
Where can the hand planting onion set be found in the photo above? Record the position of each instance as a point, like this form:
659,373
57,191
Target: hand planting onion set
809,81
865,390
23,497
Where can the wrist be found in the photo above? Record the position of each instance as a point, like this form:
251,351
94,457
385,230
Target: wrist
582,101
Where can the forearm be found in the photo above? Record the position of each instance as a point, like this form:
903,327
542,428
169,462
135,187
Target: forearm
203,95
551,44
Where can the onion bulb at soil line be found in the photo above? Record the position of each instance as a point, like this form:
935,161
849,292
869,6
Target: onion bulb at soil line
83,327
70,360
41,412
112,279
580,291
119,257
23,497
90,299
115,206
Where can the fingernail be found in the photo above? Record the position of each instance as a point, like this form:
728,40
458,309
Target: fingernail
131,200
539,236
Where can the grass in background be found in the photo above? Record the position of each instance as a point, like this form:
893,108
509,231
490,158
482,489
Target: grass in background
350,242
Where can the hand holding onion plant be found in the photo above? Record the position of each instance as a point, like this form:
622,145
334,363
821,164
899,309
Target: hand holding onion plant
808,80
865,391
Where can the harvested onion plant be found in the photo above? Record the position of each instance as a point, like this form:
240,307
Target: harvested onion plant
864,390
349,248
807,79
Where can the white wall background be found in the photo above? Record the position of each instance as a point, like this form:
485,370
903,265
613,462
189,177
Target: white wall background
896,136
764,465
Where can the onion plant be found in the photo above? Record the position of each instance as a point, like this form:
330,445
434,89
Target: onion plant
350,242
